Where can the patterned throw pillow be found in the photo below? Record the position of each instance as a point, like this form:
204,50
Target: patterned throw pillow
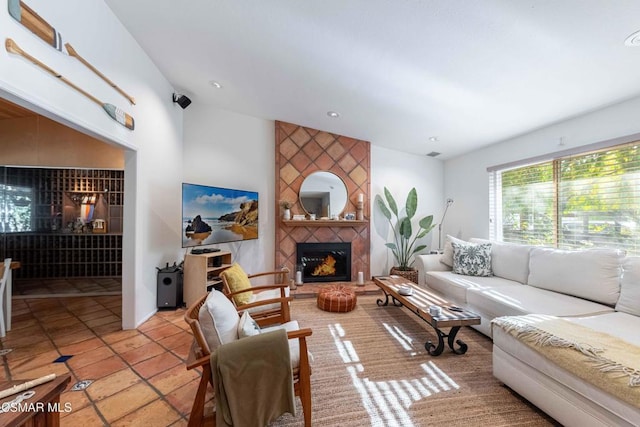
472,259
247,326
238,280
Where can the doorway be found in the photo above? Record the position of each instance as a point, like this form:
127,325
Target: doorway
61,207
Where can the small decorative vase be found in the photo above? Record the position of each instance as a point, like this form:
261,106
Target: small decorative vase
287,214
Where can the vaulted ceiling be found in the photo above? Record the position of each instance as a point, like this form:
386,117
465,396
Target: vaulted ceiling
466,73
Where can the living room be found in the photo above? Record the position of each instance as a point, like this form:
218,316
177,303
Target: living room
211,145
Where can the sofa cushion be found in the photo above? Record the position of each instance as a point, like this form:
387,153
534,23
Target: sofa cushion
447,251
622,325
454,286
629,301
518,300
509,260
472,259
593,274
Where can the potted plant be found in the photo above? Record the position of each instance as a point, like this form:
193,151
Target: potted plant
404,240
286,206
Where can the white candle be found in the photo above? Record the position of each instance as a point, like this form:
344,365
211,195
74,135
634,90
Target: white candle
360,278
298,277
361,197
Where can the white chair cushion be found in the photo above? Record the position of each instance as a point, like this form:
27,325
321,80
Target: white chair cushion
629,301
593,274
219,320
265,295
294,344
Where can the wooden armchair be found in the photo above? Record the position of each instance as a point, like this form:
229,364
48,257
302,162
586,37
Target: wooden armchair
268,304
200,355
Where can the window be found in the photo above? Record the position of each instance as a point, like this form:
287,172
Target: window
15,208
578,201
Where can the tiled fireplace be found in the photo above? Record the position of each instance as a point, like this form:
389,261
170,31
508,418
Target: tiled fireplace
301,151
324,262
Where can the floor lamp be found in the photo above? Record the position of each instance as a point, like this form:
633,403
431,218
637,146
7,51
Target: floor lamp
449,202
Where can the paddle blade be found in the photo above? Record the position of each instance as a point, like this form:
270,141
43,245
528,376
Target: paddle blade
119,116
14,9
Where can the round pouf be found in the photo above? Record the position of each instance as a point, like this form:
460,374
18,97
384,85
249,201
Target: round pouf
337,299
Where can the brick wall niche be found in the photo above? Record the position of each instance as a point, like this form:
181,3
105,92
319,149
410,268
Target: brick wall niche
301,151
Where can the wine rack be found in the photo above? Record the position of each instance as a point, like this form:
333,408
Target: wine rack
50,250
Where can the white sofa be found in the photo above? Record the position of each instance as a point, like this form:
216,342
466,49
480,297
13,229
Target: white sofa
597,288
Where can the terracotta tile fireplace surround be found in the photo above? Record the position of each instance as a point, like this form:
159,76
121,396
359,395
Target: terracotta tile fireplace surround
301,151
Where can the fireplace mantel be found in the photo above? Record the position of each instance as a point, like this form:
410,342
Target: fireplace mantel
323,223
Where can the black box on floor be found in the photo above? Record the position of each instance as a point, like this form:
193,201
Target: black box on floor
169,287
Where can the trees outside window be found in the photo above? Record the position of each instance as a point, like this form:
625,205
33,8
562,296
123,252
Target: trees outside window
583,201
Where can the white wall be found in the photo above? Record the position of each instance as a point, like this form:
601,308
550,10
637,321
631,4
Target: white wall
466,177
400,172
153,160
225,149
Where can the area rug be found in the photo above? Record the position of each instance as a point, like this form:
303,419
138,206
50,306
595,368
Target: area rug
370,368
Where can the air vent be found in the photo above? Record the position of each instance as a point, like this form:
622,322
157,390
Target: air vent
433,154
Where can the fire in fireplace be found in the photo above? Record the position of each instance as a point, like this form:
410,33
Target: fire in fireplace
324,262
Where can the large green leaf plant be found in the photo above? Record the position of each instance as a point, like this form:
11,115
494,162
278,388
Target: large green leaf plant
404,244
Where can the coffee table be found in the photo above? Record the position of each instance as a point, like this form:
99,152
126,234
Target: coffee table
419,302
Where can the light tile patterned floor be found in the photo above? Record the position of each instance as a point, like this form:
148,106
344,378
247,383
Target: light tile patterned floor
139,375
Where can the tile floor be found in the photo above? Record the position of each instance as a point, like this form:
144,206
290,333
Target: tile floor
139,375
45,287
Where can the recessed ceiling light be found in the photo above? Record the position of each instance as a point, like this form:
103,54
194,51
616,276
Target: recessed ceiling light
333,114
215,84
633,40
433,139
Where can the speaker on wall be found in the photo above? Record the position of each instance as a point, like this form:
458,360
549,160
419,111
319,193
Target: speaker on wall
181,100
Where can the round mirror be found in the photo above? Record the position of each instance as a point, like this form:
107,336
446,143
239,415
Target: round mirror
323,194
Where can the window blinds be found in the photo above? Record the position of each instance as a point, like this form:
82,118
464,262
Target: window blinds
579,201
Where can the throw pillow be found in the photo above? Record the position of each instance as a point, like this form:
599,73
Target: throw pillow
238,280
219,320
447,251
247,326
472,259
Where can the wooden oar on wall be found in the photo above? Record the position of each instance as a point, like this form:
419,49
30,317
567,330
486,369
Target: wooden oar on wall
116,114
41,28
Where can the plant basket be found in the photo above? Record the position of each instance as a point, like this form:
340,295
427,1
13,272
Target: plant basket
411,274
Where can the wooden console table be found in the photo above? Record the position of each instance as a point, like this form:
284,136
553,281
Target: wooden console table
46,404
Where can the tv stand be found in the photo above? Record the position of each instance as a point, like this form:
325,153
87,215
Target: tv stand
202,271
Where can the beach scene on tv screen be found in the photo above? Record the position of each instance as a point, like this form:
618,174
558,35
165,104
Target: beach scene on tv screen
213,215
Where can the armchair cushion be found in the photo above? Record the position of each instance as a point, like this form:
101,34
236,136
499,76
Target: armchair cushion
247,326
238,280
294,344
219,320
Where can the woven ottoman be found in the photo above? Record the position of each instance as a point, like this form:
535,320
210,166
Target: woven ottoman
337,299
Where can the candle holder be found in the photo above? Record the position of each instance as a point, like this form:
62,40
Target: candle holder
298,275
360,210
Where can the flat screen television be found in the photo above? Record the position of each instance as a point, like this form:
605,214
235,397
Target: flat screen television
212,215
